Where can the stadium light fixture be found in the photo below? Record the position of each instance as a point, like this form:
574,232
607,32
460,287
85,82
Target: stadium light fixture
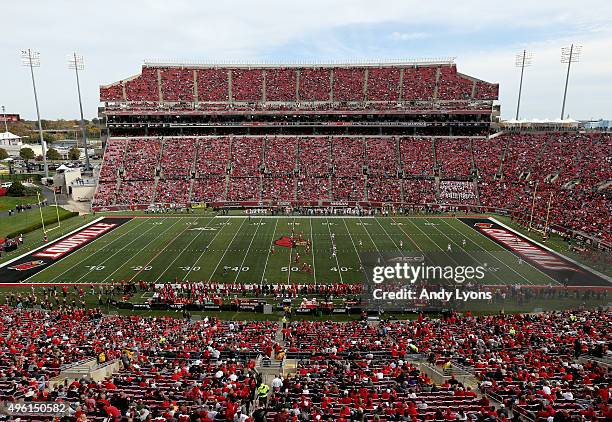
569,55
75,61
523,60
4,117
31,59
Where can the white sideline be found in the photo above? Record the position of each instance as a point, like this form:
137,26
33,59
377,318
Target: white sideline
584,267
56,240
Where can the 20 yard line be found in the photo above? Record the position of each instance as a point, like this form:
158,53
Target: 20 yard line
148,243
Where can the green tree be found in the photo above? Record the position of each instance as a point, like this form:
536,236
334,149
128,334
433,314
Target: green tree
53,155
3,154
16,189
74,153
26,154
48,137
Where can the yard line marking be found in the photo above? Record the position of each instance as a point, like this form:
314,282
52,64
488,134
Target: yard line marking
206,249
148,243
353,242
452,241
116,252
228,245
489,253
44,245
396,245
247,251
407,235
268,256
371,240
88,256
184,249
290,253
332,240
314,266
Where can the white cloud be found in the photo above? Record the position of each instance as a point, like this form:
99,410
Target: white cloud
116,36
408,36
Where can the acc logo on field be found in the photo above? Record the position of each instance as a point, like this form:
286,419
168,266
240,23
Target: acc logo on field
27,265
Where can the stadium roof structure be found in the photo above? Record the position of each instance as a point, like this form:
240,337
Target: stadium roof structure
449,61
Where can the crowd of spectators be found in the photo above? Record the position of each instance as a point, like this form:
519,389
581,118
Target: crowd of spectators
177,84
568,170
538,365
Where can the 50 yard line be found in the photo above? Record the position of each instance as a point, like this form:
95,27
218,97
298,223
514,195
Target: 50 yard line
268,256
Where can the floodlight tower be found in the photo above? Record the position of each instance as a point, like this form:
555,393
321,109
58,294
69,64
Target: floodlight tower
569,55
31,59
523,60
4,117
75,62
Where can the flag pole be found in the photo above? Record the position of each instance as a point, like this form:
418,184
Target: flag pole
532,207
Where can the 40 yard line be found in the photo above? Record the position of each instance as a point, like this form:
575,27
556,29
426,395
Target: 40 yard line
225,252
247,251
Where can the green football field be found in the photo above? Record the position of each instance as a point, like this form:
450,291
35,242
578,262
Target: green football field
239,249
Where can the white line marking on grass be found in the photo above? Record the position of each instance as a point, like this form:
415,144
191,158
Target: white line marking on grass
183,250
4,264
148,243
314,266
459,246
206,250
481,249
354,246
228,245
371,240
337,262
247,251
290,253
407,235
269,250
89,256
552,250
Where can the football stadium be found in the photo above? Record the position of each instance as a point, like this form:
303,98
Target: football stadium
335,240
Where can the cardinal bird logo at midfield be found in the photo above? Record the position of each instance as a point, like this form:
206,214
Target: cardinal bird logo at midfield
27,265
285,241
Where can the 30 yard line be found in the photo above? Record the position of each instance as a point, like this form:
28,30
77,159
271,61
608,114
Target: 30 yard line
247,251
371,239
290,253
268,255
184,249
206,249
353,242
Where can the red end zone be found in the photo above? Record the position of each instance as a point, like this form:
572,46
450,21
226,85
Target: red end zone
560,268
23,267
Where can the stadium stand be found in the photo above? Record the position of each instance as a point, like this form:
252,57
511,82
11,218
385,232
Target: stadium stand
571,167
539,366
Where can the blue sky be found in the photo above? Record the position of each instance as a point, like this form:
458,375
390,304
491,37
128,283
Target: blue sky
115,37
